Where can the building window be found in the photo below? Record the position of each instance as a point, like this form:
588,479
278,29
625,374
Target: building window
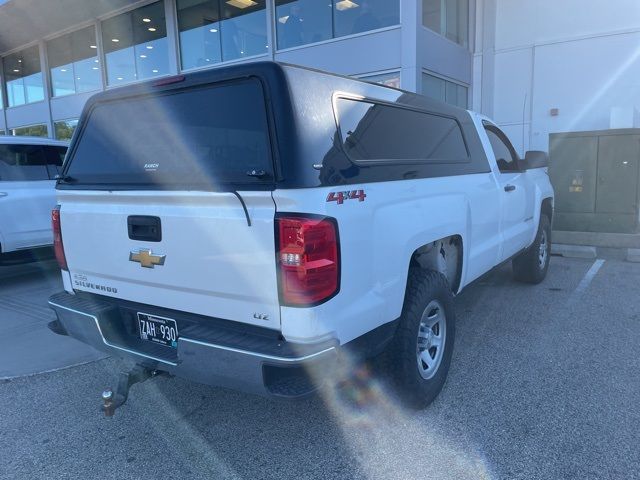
352,16
243,28
300,22
64,129
135,45
31,131
445,91
391,79
303,21
449,18
213,31
73,63
23,77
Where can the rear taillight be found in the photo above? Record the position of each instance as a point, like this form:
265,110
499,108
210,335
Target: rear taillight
308,259
58,248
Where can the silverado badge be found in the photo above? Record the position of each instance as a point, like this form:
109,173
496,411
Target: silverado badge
146,258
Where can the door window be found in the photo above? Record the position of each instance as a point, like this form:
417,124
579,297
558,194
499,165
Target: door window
55,157
23,163
506,156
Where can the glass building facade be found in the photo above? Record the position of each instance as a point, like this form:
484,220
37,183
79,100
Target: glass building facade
63,129
165,37
301,22
73,63
135,45
449,18
31,131
445,90
214,31
23,77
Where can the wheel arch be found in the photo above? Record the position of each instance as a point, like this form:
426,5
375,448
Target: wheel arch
444,255
547,208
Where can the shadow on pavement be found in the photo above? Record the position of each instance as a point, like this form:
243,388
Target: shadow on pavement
27,346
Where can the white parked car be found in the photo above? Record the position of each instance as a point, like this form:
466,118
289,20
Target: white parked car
252,226
28,167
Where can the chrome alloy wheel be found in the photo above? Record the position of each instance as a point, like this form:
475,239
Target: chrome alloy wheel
431,339
543,251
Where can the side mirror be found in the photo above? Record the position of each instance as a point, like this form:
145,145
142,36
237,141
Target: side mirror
535,159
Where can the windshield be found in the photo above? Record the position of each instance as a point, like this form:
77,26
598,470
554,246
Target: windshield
200,137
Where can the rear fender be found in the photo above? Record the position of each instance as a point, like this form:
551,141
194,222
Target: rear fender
442,217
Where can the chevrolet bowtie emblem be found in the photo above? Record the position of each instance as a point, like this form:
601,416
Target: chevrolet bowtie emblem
146,258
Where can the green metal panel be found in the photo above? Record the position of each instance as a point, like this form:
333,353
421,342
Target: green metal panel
618,159
596,176
573,172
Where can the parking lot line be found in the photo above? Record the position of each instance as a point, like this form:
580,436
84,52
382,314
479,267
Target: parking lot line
587,279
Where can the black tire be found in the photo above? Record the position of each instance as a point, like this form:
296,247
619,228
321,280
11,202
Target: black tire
529,267
424,287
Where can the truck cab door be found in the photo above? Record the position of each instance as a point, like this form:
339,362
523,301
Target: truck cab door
516,194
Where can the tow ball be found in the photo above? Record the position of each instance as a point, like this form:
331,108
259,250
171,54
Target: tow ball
114,400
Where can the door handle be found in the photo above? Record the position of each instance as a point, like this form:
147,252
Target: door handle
3,194
144,228
509,188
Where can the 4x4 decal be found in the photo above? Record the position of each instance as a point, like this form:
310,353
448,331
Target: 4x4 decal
340,197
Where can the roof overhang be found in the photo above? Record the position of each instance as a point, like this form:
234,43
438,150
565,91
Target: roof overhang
25,21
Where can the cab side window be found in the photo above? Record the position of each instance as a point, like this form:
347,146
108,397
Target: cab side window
506,156
23,163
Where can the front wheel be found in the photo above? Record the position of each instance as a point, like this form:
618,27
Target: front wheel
531,266
421,350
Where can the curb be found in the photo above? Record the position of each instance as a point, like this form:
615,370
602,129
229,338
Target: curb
574,251
633,255
597,239
591,253
591,245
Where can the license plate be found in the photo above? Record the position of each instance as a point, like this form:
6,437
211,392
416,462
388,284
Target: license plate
158,329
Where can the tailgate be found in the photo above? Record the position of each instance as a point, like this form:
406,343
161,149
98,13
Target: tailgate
213,263
172,155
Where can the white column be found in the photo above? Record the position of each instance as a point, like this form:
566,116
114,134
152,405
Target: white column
410,18
101,56
173,40
4,97
488,41
46,83
271,25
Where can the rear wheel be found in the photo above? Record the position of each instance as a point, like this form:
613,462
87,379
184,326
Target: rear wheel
531,266
420,353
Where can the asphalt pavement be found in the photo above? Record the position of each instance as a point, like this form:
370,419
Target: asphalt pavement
27,346
544,384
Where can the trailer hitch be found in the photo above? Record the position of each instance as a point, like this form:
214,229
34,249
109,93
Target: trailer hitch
113,400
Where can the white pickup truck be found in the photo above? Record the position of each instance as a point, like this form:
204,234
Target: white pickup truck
255,226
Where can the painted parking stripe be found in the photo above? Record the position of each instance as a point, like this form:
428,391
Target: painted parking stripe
586,280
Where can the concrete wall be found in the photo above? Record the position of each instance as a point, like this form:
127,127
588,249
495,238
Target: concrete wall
581,57
350,56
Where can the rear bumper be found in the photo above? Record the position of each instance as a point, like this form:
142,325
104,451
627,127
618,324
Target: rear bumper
210,351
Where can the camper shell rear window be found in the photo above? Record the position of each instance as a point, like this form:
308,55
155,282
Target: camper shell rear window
206,137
